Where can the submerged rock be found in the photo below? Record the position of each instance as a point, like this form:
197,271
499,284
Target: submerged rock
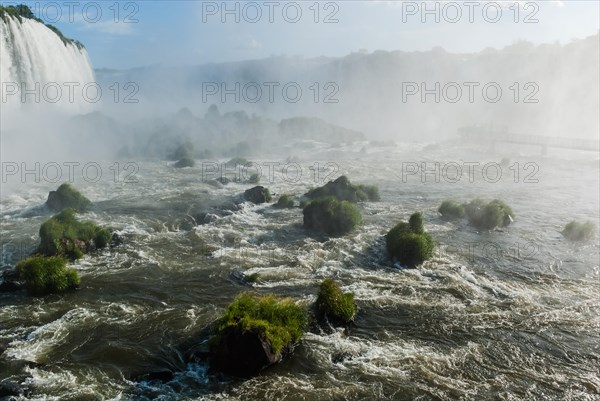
258,194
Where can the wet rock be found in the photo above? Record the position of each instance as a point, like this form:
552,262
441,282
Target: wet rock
215,184
243,354
115,240
258,194
10,281
223,180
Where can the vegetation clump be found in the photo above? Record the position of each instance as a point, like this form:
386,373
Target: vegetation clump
46,275
451,210
277,320
63,235
409,243
185,162
342,189
285,202
66,196
331,216
578,231
255,332
334,304
488,215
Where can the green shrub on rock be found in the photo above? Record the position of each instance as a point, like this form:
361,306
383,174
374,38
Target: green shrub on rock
331,216
451,210
285,202
342,189
45,275
255,332
408,243
67,197
334,304
488,215
578,231
64,235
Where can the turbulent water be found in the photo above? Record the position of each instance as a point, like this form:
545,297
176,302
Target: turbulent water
512,314
31,54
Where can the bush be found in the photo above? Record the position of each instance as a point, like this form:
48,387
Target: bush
285,202
408,242
416,223
67,197
488,215
451,210
331,216
46,275
277,320
342,189
64,235
185,162
335,304
254,179
237,161
578,231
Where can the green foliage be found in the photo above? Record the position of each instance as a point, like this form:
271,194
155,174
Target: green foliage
46,275
285,202
335,304
22,11
331,216
408,242
578,231
342,189
254,179
237,161
416,223
66,196
451,210
488,215
64,235
185,162
277,320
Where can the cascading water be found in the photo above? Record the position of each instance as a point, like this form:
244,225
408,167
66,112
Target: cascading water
34,58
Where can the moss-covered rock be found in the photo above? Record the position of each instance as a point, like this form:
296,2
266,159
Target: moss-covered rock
67,197
488,215
331,216
63,235
258,194
285,202
45,275
451,210
237,161
342,189
579,231
256,331
254,179
185,162
332,303
409,243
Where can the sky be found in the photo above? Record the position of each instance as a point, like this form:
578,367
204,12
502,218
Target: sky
129,34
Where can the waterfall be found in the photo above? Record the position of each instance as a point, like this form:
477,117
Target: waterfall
33,56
